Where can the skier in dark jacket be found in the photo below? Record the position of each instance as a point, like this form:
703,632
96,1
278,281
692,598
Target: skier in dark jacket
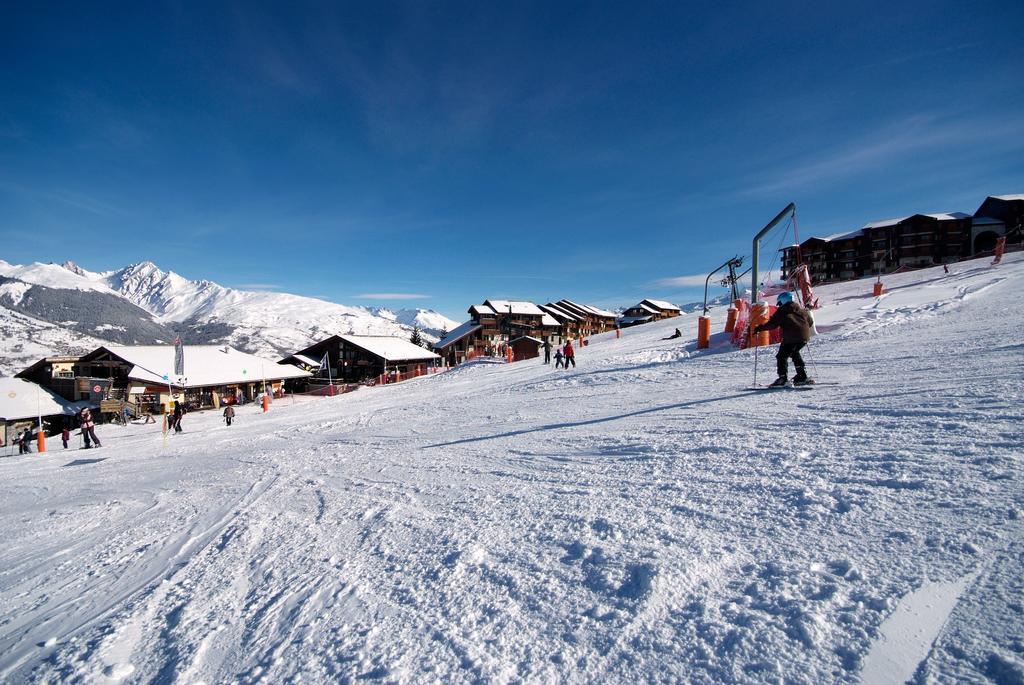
547,351
796,325
179,411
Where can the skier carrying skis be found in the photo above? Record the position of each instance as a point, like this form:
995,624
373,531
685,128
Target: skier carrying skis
796,325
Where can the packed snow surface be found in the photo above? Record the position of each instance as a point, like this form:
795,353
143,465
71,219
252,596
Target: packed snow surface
642,517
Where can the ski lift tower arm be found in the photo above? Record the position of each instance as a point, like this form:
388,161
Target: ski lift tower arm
791,207
707,280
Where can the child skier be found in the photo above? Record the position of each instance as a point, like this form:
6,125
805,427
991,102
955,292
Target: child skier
796,325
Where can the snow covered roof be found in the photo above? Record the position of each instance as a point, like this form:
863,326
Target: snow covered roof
986,221
588,309
528,337
662,304
844,236
633,319
644,307
941,216
304,359
601,312
887,222
1008,198
22,399
481,309
205,365
559,312
548,320
457,334
949,216
388,347
517,307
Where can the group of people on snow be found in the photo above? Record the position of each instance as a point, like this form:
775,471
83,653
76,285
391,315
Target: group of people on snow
564,354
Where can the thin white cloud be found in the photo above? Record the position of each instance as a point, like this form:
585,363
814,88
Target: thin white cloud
884,147
258,286
681,281
392,296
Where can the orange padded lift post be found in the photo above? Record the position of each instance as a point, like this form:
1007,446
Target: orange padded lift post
703,332
758,315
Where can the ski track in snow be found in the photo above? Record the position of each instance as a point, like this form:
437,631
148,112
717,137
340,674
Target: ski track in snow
639,518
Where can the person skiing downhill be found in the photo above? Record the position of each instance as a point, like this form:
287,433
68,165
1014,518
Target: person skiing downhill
796,325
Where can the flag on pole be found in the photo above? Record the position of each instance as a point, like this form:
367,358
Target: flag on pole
179,357
323,364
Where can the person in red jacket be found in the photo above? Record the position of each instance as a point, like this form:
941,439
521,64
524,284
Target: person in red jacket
796,325
570,354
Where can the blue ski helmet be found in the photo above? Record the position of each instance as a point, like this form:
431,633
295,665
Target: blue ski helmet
784,298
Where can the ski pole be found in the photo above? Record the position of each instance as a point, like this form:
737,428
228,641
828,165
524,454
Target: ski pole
757,349
810,358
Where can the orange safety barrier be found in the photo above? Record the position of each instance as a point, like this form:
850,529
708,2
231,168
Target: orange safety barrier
730,320
879,289
758,315
266,404
703,332
41,441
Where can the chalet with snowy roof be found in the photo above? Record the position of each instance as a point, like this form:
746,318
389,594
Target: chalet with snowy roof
23,402
649,310
593,320
462,343
571,325
142,378
998,215
357,358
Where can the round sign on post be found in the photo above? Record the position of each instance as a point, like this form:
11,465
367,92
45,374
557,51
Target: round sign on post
97,388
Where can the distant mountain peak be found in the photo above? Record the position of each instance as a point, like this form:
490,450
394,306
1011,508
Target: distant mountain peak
74,268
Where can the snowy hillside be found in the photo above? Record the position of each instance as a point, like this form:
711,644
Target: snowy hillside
163,304
641,518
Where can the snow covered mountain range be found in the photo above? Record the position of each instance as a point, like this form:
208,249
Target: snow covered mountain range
55,309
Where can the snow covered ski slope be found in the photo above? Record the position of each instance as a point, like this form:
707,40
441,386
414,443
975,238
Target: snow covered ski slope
638,518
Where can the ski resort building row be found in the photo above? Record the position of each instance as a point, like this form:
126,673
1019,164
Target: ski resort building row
523,328
913,241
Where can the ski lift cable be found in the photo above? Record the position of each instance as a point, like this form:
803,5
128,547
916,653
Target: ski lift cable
782,239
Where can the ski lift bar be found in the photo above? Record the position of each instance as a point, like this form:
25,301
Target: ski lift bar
791,207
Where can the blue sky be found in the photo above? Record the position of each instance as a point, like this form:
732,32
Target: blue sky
438,154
